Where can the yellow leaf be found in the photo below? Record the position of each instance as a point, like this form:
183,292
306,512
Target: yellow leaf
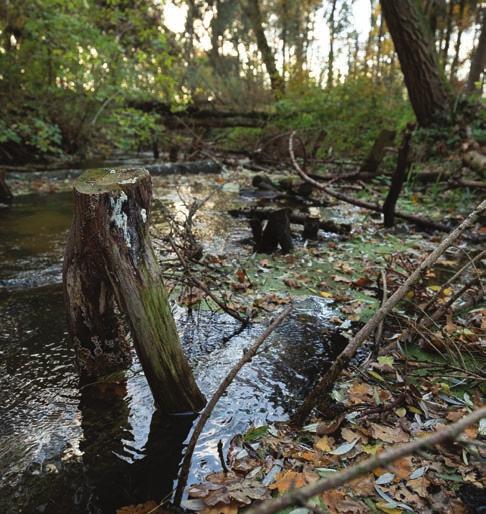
323,444
401,412
325,294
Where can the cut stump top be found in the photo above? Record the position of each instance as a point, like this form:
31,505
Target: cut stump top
98,181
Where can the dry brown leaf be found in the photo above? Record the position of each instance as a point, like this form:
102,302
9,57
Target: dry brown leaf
360,392
455,415
338,503
362,486
419,486
286,480
388,434
348,435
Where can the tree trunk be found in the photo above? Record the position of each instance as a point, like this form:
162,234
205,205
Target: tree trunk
398,178
252,10
385,138
478,61
457,47
109,258
332,32
447,37
418,60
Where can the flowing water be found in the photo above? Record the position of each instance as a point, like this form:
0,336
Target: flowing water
66,450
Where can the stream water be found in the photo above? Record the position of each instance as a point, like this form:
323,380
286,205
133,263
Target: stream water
66,450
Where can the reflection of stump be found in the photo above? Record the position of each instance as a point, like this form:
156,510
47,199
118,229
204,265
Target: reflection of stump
276,232
5,193
109,257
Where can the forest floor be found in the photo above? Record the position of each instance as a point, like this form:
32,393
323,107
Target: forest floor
415,376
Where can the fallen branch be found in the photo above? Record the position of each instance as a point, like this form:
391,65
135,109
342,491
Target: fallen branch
325,384
302,495
206,413
417,220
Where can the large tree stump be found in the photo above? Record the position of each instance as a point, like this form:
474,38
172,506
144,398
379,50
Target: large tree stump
109,260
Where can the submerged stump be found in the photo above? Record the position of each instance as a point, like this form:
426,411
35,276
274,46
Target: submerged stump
110,264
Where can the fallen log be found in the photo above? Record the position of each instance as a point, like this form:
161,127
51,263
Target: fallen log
295,218
5,192
182,168
109,260
327,381
381,460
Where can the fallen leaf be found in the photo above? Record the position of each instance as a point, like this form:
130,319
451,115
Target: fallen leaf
288,480
388,434
323,444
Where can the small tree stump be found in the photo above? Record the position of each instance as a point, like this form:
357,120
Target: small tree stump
5,193
276,232
109,260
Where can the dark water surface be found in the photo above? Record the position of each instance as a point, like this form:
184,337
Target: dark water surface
66,450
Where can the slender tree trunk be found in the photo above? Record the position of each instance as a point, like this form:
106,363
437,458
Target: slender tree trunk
332,33
109,260
253,11
447,37
478,61
418,60
457,47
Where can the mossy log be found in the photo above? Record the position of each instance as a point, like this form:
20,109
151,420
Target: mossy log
109,260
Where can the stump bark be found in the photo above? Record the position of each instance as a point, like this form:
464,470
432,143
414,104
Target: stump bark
276,232
109,263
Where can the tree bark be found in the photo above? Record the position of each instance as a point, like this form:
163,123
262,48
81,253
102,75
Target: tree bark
385,138
478,61
418,60
109,258
253,11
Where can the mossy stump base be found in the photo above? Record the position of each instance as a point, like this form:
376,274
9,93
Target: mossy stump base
110,268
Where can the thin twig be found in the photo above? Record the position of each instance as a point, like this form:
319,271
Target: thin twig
206,413
383,459
201,285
